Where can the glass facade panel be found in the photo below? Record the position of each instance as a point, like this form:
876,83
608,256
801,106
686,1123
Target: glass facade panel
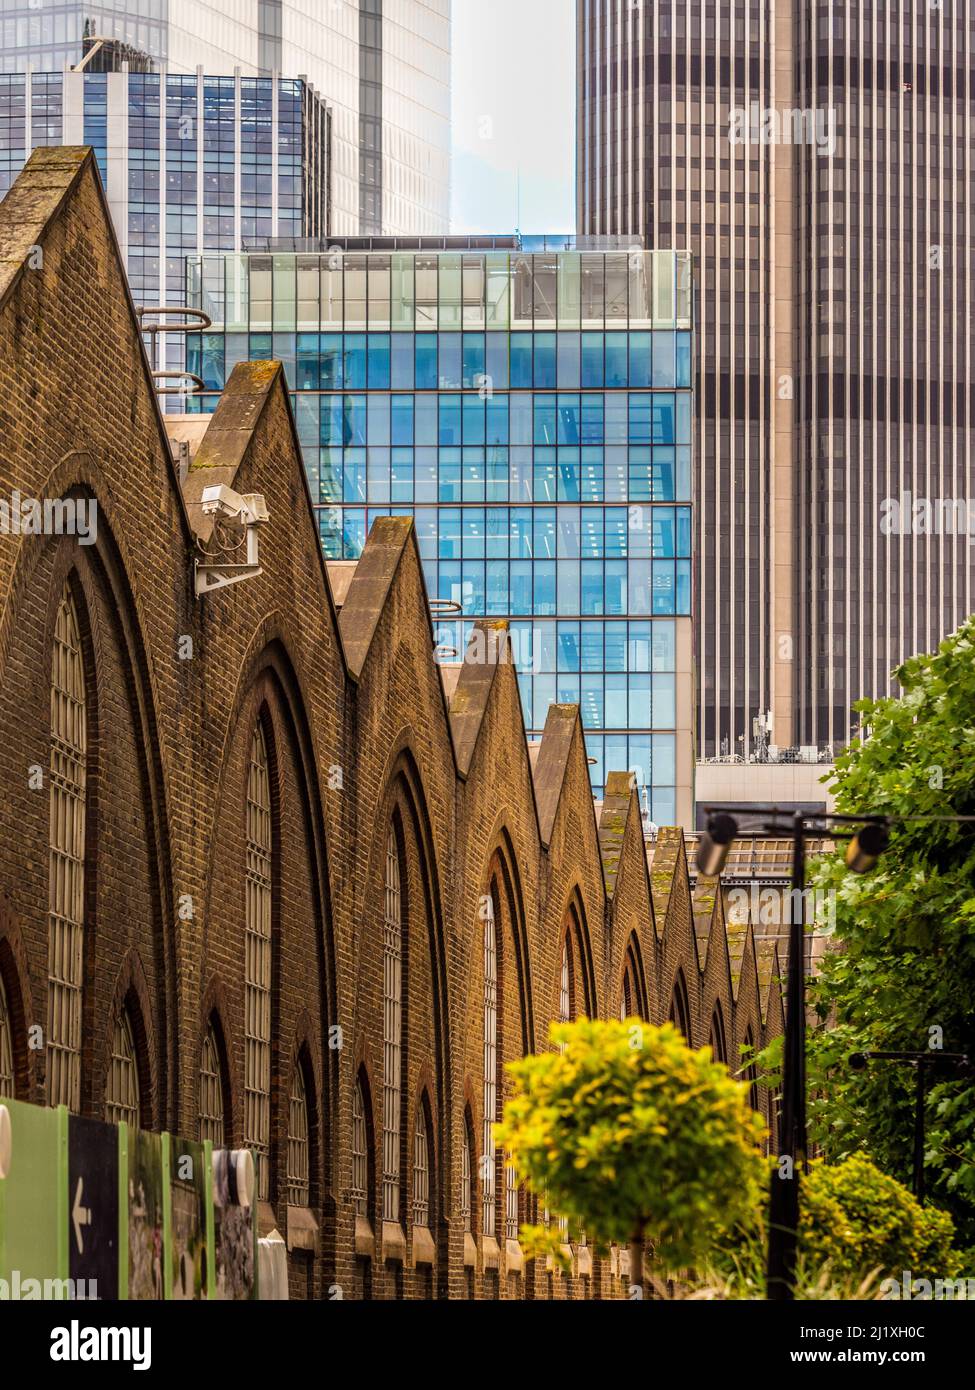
547,465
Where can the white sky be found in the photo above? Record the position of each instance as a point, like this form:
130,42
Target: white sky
513,109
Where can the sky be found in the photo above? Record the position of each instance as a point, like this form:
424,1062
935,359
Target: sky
513,116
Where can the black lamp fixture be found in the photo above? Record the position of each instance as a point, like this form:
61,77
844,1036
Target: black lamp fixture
866,847
714,844
869,837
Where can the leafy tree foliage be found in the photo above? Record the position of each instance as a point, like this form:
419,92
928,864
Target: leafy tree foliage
856,1219
902,975
630,1134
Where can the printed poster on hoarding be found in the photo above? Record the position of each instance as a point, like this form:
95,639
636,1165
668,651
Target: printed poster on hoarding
145,1215
187,1187
233,1226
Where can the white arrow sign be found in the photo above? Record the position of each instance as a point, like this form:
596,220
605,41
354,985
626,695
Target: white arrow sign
80,1216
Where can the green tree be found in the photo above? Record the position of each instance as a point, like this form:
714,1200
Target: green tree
856,1219
902,975
630,1134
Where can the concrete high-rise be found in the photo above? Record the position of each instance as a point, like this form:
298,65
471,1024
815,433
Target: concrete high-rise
816,159
382,66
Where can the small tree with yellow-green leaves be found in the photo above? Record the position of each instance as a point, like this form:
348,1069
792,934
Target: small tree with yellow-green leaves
631,1135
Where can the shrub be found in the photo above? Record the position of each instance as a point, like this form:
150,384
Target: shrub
855,1218
627,1132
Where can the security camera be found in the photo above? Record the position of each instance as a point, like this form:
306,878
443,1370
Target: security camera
231,552
221,501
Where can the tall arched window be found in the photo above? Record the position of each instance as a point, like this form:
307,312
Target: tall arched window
466,1168
69,744
360,1153
565,985
212,1122
6,1047
750,1071
565,1016
421,1169
257,964
510,1203
490,1066
122,1089
719,1050
298,1140
680,1013
392,1028
631,1001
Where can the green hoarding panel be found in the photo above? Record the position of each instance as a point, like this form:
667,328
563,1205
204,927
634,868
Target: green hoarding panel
34,1212
235,1224
93,1208
145,1215
187,1248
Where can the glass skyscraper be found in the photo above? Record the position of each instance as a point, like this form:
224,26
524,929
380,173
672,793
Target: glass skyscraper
382,67
189,163
529,403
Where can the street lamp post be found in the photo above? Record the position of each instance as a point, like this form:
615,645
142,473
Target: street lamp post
920,1061
869,836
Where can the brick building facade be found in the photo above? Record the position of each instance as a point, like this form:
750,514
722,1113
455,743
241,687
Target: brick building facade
269,874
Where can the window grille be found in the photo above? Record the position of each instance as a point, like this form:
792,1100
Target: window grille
212,1125
298,1165
360,1154
67,858
465,1180
421,1171
6,1047
510,1203
392,1029
122,1091
490,1068
565,994
257,974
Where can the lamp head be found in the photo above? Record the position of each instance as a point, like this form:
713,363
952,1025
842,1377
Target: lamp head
714,844
866,847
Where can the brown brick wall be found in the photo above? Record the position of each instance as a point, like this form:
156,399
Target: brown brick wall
360,735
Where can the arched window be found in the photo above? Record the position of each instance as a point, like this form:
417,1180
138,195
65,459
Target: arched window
490,1066
749,1071
6,1047
510,1203
69,744
565,985
680,1013
565,1015
466,1194
257,966
631,999
122,1090
212,1122
298,1140
392,1028
360,1153
421,1169
719,1050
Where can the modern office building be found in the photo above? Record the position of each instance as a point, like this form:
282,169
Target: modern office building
529,403
383,67
816,160
189,163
